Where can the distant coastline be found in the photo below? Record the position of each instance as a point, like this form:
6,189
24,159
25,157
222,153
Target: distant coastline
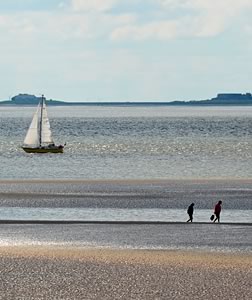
226,99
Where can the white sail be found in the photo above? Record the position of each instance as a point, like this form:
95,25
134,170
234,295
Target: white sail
32,136
46,134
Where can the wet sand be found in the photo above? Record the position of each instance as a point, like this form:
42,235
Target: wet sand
162,194
49,272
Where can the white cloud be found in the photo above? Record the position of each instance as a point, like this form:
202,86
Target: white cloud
194,18
85,19
226,6
93,5
209,17
60,25
158,30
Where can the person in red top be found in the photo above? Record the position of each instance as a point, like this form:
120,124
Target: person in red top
217,211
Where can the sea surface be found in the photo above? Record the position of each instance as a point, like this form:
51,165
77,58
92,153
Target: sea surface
130,164
132,142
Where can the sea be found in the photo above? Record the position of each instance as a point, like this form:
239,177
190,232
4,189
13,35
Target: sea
132,142
130,164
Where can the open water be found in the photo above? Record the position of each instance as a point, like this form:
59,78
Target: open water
189,154
132,142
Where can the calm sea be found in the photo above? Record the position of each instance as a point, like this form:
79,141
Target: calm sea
132,142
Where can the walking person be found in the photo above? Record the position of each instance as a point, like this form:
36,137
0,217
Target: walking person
217,211
190,212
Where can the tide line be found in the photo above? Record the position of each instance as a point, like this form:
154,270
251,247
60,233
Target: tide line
107,222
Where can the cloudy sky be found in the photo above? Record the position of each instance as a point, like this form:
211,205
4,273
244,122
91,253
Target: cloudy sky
125,50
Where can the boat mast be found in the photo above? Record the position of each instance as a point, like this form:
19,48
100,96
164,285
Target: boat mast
41,118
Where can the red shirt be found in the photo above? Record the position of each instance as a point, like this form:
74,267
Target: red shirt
217,208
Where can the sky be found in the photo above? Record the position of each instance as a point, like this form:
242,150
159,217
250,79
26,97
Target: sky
125,50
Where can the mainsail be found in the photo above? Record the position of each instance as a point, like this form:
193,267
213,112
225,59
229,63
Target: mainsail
46,134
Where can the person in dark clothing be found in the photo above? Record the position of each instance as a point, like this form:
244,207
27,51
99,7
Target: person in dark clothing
217,211
190,212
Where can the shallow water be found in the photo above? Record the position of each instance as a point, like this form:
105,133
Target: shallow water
117,214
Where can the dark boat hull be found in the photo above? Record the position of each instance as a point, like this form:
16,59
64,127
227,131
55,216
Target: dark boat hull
58,149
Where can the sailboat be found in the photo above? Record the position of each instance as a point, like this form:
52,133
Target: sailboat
39,136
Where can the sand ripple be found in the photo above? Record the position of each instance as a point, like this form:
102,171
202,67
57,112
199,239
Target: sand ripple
44,273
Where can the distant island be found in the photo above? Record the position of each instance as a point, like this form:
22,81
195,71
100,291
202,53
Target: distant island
219,100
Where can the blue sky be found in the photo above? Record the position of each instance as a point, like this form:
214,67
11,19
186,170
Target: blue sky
125,50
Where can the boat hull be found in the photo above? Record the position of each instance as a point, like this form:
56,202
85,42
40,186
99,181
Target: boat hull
43,150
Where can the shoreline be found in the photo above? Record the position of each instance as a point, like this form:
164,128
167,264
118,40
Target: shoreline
127,180
72,222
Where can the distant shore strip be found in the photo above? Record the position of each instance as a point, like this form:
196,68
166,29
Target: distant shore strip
72,222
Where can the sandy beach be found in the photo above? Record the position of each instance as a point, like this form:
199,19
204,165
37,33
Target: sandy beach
49,272
51,259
